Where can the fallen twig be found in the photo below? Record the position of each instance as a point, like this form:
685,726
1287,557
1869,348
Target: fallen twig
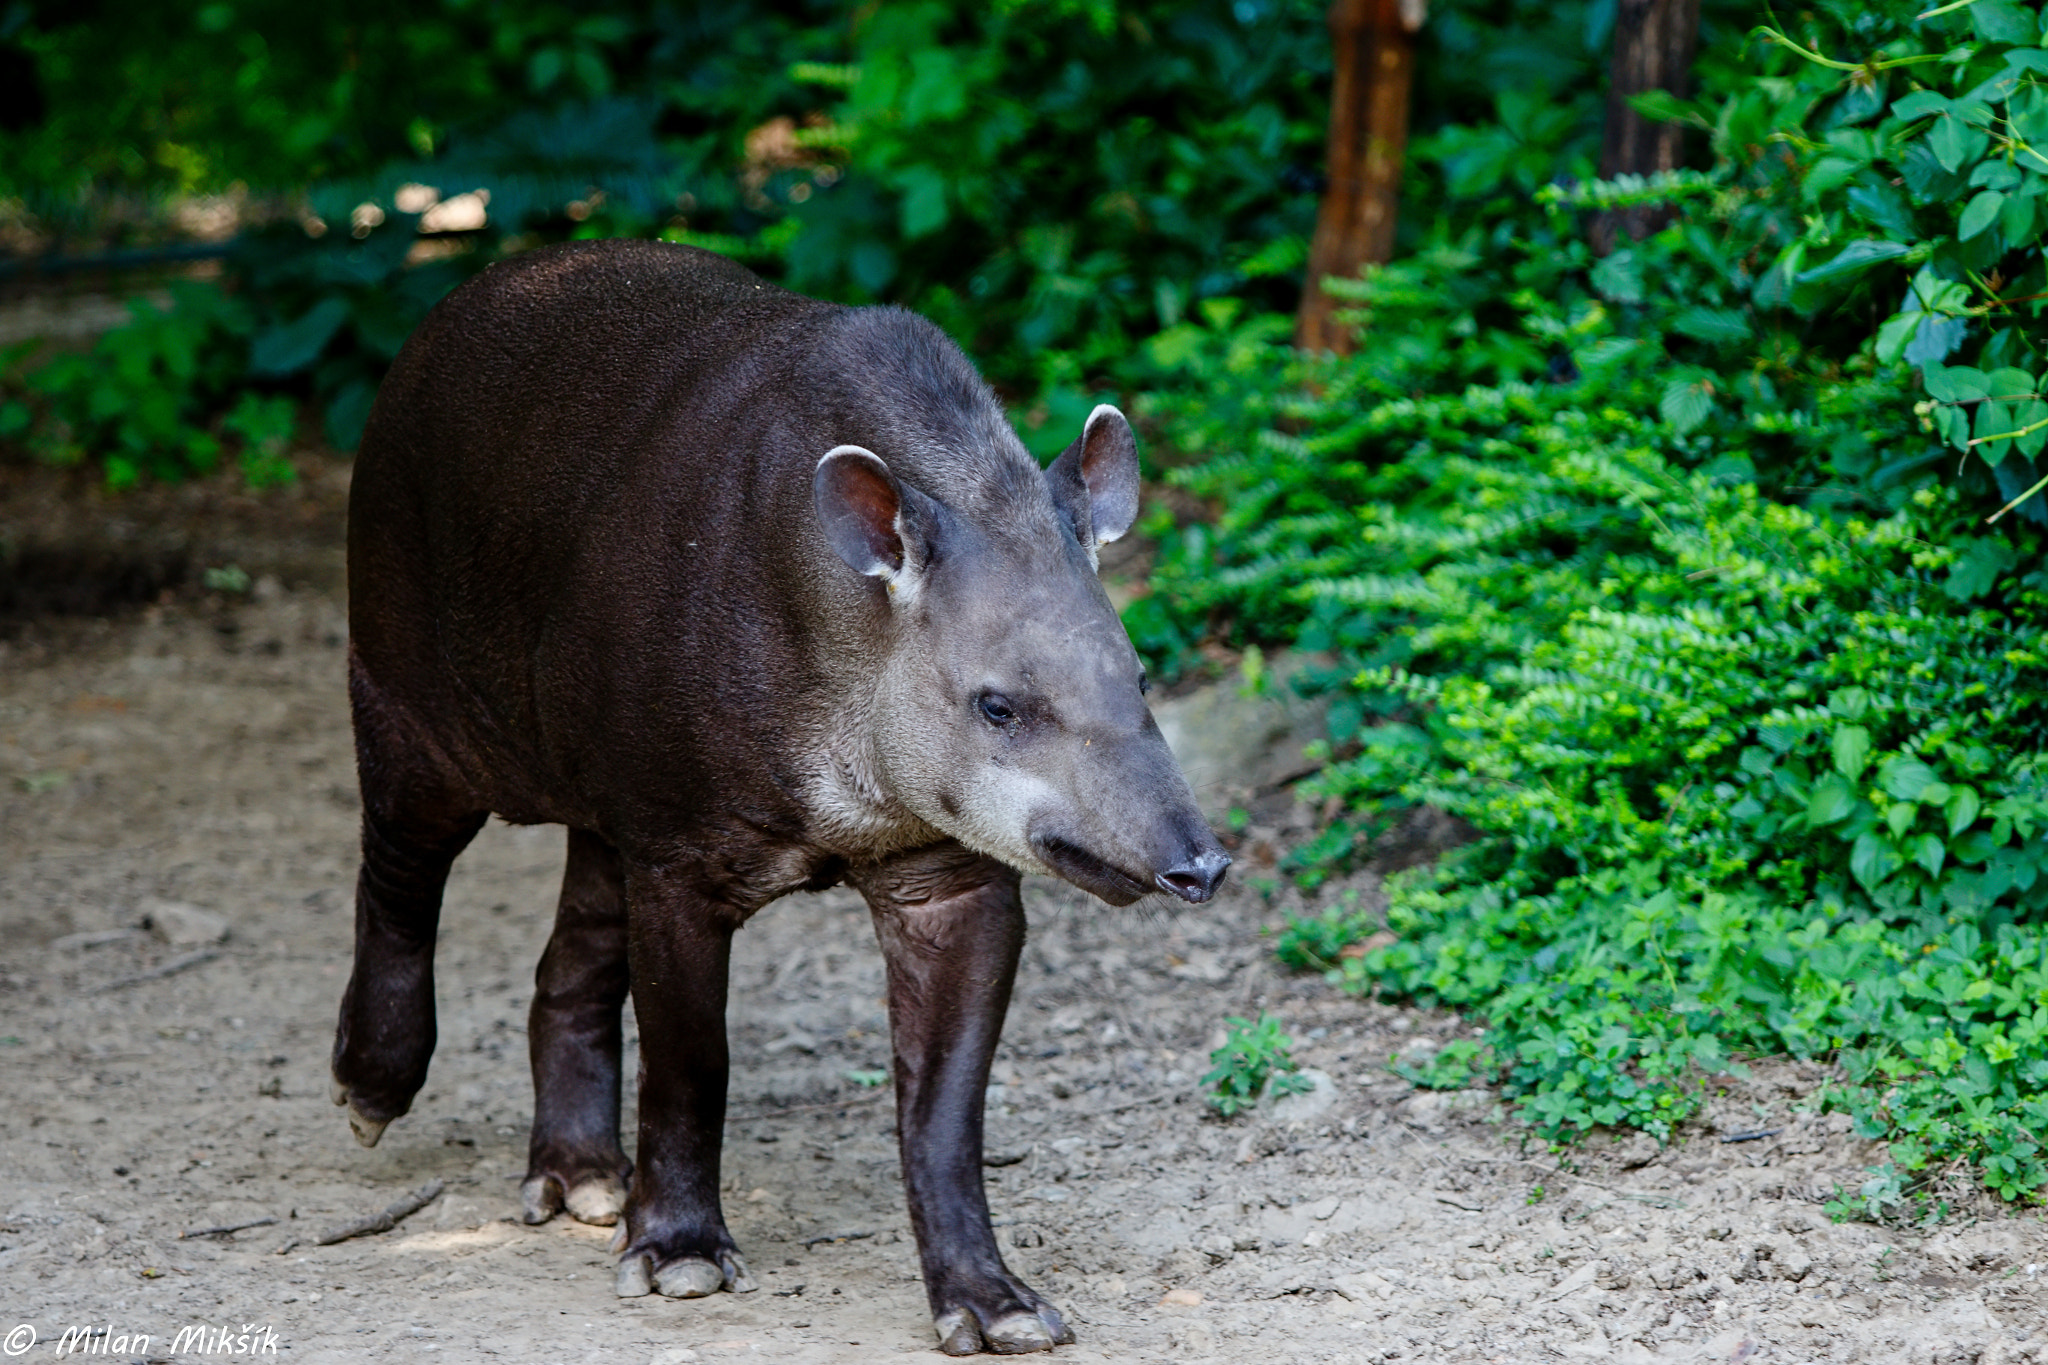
1753,1135
810,1242
224,1229
158,972
390,1218
290,1245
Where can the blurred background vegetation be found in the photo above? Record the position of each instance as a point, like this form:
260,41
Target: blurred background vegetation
1657,488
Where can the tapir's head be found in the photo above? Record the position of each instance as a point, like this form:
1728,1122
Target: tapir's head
1011,713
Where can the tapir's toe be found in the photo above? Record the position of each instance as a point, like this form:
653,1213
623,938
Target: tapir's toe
366,1129
540,1198
689,1278
636,1280
597,1201
1018,1333
737,1280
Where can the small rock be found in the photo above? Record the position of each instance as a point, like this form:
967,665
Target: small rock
182,925
1181,1298
1357,1287
1638,1151
1307,1105
1217,1248
1579,1279
1791,1263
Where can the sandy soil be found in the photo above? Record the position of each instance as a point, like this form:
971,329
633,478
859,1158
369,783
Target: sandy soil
197,751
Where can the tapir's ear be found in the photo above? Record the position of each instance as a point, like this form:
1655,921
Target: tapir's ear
1095,480
875,523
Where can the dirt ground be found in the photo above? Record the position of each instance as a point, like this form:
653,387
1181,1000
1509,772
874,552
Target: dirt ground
196,751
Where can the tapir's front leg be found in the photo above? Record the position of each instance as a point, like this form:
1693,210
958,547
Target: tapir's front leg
674,1237
952,926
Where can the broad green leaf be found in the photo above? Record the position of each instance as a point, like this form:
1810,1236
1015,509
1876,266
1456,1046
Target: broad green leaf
1872,859
2002,21
924,201
2009,383
1850,703
1619,277
1991,431
1900,818
1980,213
1851,750
1854,259
1713,324
1930,853
1686,403
1896,333
1661,106
1956,383
1832,800
1884,208
2016,220
292,346
1980,563
1905,778
1945,140
1963,805
1919,104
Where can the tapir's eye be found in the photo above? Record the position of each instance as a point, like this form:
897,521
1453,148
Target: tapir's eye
995,708
1144,682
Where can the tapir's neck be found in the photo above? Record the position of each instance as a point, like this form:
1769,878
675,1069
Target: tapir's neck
846,796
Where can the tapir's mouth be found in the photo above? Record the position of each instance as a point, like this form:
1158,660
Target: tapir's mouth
1090,873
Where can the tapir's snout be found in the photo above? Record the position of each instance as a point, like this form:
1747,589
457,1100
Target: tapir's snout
1185,862
1195,880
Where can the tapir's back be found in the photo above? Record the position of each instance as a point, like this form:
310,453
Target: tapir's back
524,451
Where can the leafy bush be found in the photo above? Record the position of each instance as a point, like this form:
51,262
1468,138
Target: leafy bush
1754,777
1651,569
152,398
1253,1062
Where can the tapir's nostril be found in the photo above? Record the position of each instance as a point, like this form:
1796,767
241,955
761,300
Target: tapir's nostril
1197,879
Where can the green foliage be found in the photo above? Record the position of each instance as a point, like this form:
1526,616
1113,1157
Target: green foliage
1454,1066
1252,1062
1647,568
1049,180
144,399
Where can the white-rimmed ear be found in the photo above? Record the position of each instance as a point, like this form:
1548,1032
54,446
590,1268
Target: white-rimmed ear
1095,480
877,524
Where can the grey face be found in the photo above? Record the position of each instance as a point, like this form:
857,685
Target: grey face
1011,712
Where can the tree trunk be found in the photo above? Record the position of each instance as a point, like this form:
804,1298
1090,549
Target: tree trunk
1374,45
1654,42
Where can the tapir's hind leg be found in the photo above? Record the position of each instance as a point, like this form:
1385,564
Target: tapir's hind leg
416,820
952,927
573,1033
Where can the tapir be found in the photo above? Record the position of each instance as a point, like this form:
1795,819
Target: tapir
753,594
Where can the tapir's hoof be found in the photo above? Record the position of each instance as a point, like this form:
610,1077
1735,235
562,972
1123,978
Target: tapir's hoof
541,1199
366,1129
689,1278
737,1280
597,1201
634,1282
1019,1333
